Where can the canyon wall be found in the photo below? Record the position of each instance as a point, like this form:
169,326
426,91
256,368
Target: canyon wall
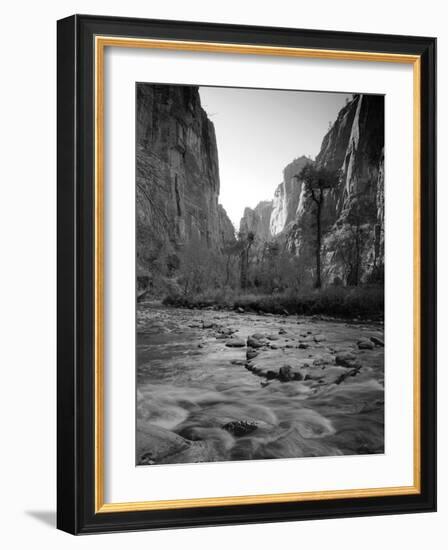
353,210
286,196
177,179
352,216
257,220
271,218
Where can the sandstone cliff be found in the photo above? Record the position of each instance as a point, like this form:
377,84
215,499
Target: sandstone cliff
286,196
257,221
177,178
353,212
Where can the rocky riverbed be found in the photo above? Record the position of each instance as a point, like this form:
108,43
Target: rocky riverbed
225,385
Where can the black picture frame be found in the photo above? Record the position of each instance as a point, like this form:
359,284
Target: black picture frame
76,263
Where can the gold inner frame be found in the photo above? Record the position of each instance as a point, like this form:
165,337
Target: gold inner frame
101,42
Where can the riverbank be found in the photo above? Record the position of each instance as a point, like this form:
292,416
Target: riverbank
344,302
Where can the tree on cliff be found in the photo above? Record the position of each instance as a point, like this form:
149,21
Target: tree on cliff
317,182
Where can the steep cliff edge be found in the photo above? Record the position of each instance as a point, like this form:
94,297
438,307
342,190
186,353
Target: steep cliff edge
286,196
270,218
352,215
177,179
257,221
353,210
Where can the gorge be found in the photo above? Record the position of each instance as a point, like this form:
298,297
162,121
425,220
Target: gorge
240,355
187,247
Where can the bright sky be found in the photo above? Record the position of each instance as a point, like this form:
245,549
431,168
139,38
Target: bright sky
259,132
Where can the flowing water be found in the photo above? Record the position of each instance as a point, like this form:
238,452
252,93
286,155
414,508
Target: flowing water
201,399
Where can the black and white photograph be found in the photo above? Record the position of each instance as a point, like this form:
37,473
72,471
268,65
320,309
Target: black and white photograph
259,274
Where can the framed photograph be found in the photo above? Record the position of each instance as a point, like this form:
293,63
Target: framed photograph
246,274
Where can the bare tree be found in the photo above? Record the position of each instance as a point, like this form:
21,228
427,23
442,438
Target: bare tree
317,182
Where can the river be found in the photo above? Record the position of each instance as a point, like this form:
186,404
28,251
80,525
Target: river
304,387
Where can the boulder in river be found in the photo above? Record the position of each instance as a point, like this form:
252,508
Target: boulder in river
365,343
235,343
251,354
377,341
346,359
254,342
285,373
240,427
239,362
156,445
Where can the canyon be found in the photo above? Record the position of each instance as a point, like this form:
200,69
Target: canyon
180,222
239,354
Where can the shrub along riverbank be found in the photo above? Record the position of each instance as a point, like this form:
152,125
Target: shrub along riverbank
347,302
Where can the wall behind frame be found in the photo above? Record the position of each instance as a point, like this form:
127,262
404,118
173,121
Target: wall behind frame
27,275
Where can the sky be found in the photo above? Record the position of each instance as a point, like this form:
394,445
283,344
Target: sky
259,132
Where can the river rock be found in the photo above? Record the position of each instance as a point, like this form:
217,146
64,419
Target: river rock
345,359
240,428
155,443
227,331
377,341
235,343
272,337
322,360
285,373
319,338
254,342
365,343
251,354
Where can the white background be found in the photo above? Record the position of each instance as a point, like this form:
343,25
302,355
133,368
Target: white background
125,482
28,244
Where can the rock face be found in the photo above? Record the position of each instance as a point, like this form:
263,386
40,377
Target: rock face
286,196
258,220
270,218
353,211
352,215
177,177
